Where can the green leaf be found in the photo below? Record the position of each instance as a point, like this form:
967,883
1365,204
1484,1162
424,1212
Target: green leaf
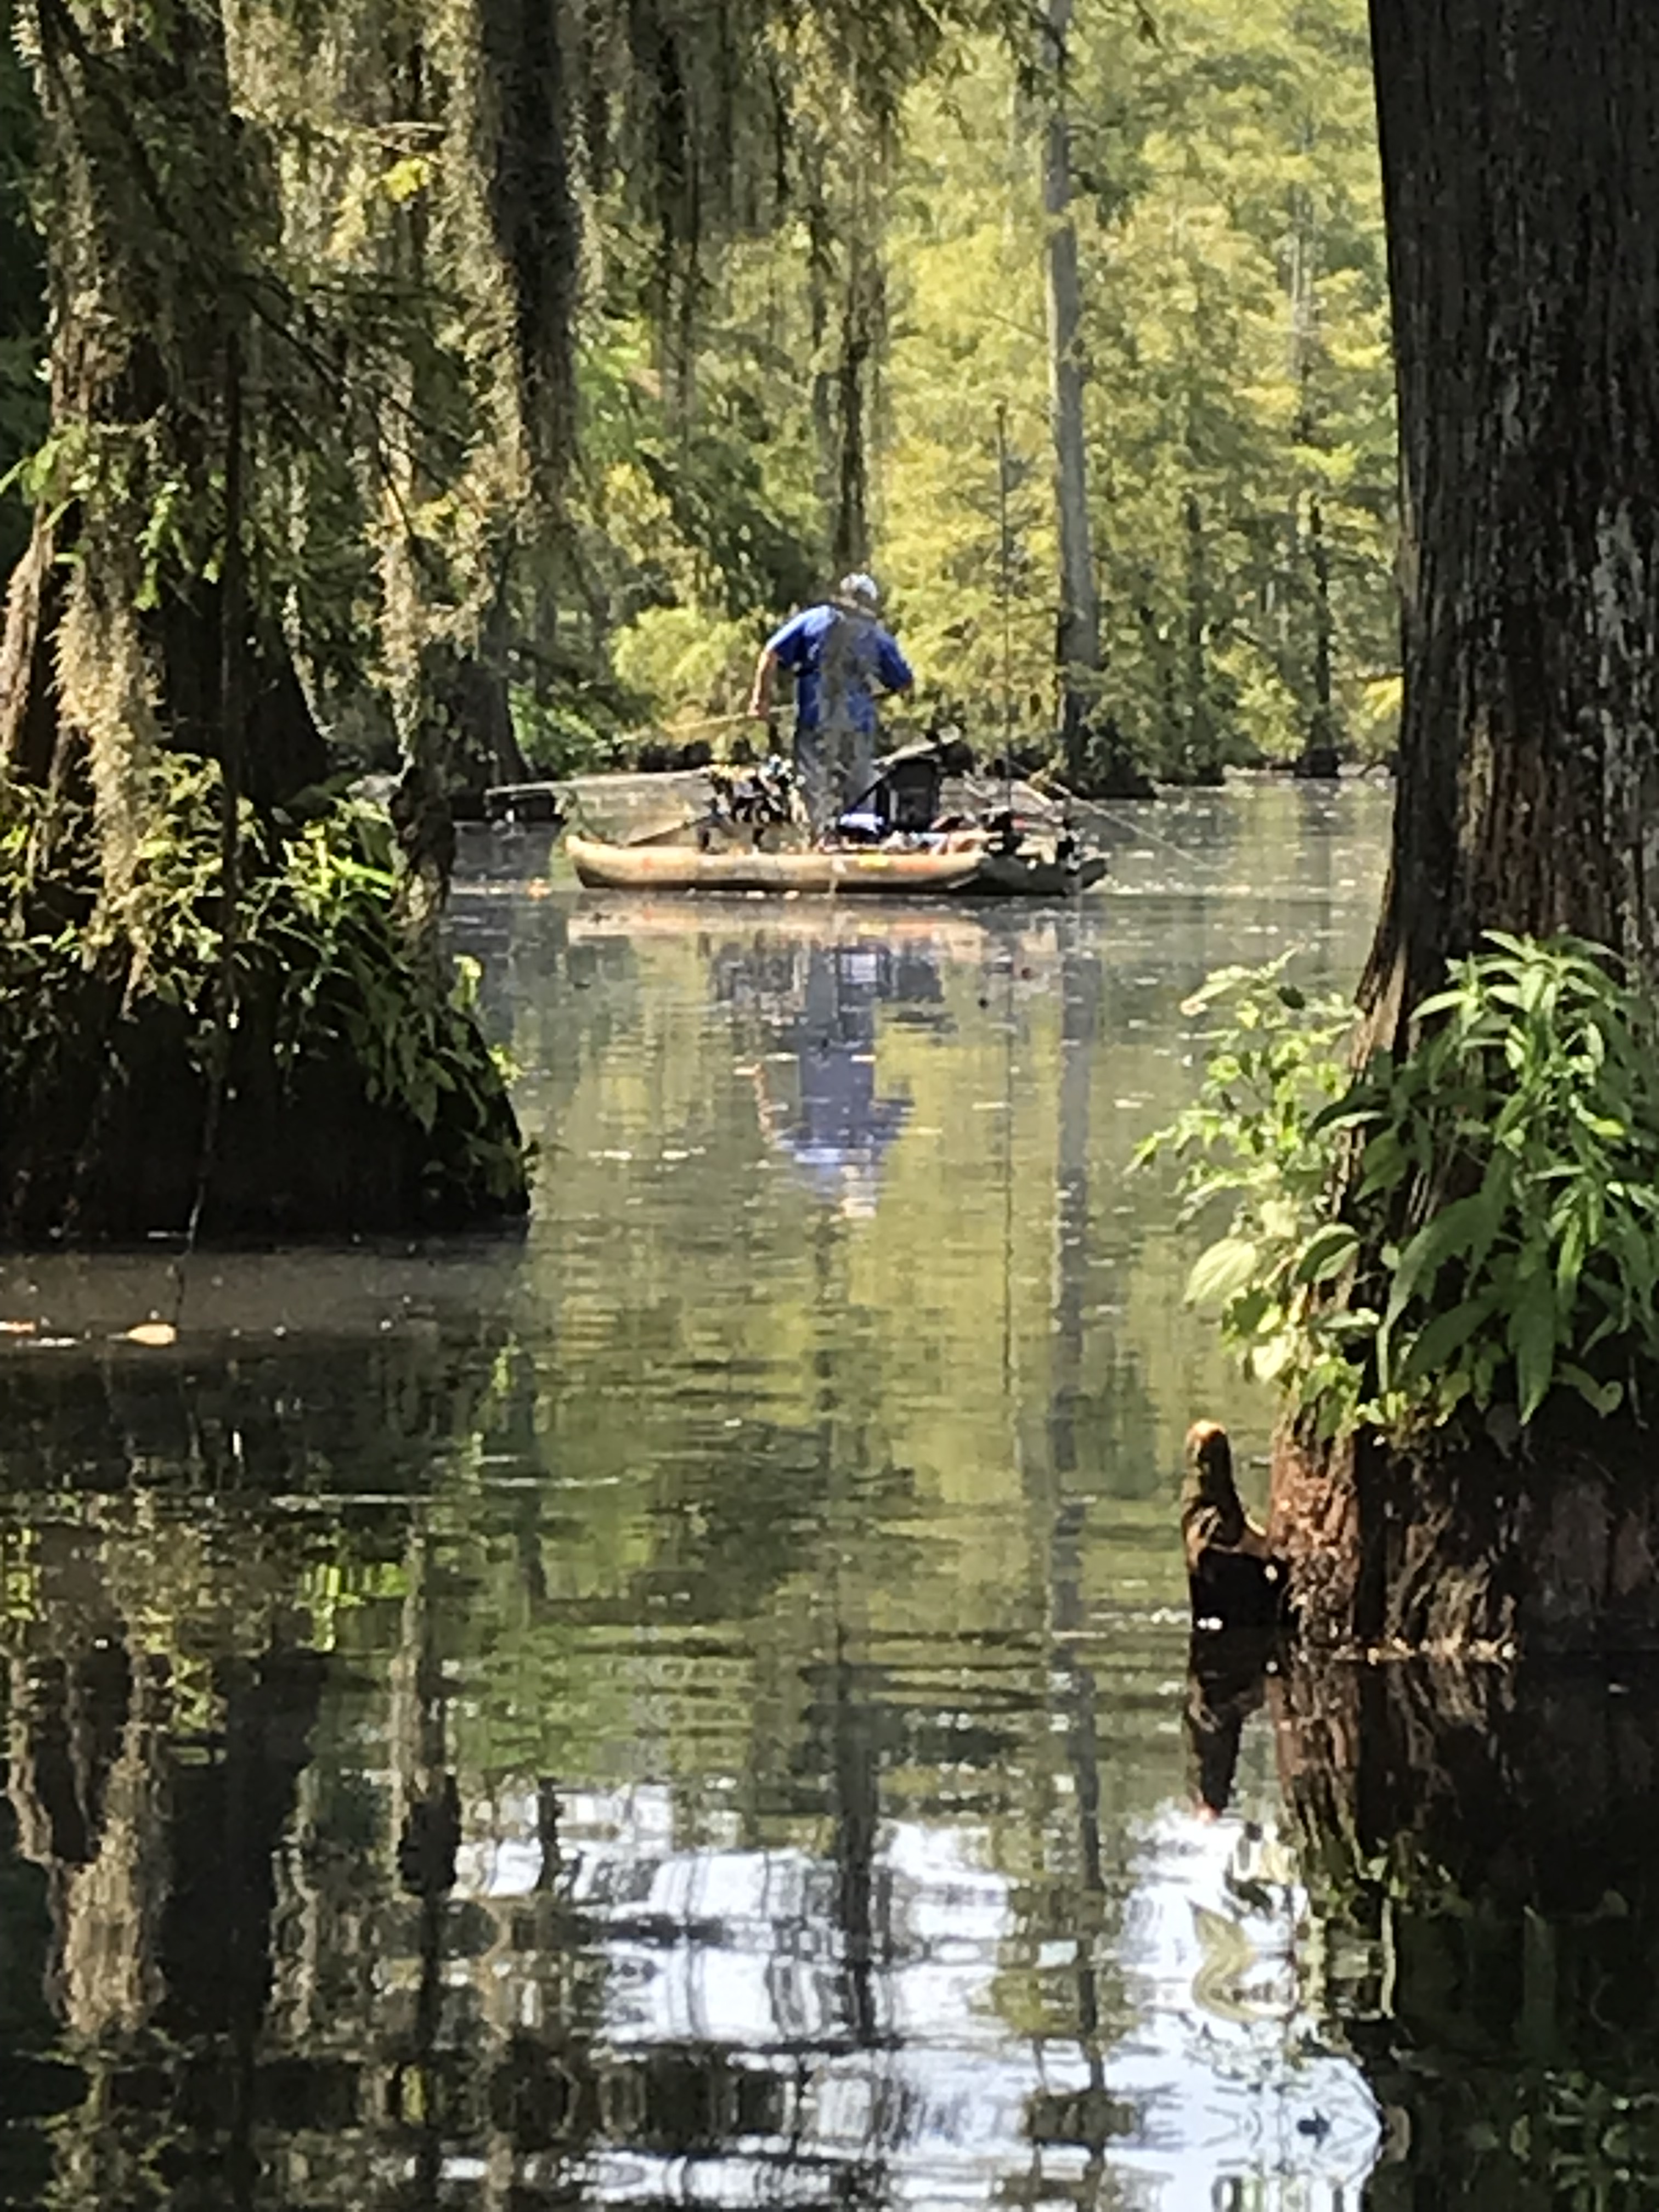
1220,1273
1326,1252
1269,1361
1383,1164
1465,1227
1532,1339
1443,1338
1603,1397
1570,1261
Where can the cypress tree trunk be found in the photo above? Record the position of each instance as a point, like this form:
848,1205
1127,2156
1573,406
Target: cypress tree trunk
96,656
1077,637
1522,196
861,324
846,305
1313,589
1319,752
1523,203
137,630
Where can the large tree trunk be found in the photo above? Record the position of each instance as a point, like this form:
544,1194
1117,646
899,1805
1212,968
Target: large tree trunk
129,1107
1523,201
1077,637
98,659
1522,205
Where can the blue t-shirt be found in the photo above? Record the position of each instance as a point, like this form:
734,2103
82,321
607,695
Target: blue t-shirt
825,649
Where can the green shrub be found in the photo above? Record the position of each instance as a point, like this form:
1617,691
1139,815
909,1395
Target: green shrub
319,952
686,662
1475,1223
556,739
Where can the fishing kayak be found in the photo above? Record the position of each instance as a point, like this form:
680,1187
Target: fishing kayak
963,872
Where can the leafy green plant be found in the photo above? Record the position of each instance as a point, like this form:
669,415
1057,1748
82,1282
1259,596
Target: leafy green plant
1474,1223
1256,1136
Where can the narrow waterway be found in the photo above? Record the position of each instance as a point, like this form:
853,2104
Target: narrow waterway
689,1705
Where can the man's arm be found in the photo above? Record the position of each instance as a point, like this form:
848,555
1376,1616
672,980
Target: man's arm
760,692
782,649
892,666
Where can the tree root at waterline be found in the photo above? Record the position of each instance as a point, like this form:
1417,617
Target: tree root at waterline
1478,1538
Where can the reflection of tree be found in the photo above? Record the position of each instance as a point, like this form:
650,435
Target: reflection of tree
160,1883
1480,1844
425,1818
89,1793
162,1712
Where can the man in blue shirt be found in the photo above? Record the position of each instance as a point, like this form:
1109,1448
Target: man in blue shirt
836,652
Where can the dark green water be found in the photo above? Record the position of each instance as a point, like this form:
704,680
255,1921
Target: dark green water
692,1707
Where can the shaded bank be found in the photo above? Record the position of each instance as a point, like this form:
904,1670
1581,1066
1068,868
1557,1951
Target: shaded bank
245,1045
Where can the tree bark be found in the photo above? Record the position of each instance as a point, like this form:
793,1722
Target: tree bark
1522,204
1522,196
88,666
1077,636
861,330
1200,740
1319,756
28,674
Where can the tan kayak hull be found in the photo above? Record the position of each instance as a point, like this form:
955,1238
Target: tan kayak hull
869,874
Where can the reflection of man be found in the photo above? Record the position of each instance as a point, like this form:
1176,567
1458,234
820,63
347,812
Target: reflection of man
838,1129
836,652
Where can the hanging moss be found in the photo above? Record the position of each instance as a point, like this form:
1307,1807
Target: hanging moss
301,1070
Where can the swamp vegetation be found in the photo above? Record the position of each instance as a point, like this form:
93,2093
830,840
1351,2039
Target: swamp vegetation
581,344
420,386
446,392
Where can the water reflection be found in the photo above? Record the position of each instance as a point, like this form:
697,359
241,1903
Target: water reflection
686,1707
816,1008
1481,1842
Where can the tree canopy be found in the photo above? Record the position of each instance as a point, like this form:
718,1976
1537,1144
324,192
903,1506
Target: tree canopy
577,344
